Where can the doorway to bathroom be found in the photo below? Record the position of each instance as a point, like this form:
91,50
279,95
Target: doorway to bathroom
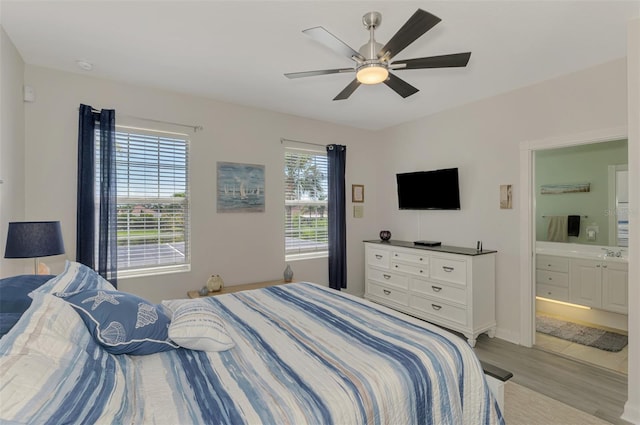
579,236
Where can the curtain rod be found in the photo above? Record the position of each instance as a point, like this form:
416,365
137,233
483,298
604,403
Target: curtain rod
195,127
545,216
282,140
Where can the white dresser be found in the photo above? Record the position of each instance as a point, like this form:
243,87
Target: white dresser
450,286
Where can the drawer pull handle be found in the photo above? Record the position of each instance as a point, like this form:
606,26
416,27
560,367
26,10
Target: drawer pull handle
421,271
396,255
396,266
548,293
436,288
447,269
378,256
550,279
421,259
386,276
548,265
386,291
436,307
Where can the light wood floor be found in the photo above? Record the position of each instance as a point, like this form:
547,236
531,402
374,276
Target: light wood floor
595,390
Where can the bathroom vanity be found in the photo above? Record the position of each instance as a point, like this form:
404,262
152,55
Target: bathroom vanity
592,276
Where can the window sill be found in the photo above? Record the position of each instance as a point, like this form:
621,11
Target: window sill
155,271
306,256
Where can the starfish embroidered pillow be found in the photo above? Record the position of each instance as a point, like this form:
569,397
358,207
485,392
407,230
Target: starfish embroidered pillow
123,323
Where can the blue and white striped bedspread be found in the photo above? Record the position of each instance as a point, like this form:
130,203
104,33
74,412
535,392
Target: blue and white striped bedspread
304,354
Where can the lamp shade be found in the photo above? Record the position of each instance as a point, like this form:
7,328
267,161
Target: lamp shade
29,239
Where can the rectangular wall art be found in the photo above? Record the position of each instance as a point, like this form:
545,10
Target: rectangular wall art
506,196
240,187
554,189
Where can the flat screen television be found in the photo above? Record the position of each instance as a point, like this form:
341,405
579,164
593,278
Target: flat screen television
429,190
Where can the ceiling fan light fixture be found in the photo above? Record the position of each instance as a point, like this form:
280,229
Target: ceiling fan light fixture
372,74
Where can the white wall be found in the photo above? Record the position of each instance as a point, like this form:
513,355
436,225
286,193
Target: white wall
11,149
242,247
632,407
482,139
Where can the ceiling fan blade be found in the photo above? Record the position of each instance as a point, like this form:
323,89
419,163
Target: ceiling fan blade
319,72
443,61
323,36
419,23
400,86
344,94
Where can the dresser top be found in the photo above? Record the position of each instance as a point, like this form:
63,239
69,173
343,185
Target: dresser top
441,248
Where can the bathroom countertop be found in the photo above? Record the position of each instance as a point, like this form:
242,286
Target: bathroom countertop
590,252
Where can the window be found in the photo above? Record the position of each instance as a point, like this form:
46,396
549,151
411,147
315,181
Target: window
306,231
153,201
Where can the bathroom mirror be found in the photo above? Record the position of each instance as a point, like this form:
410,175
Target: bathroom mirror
581,194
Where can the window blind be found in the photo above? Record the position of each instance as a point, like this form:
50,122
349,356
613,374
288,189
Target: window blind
306,189
153,201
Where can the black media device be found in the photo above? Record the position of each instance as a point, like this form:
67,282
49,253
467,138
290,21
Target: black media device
429,190
427,243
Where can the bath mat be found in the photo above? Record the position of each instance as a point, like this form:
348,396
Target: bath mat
592,337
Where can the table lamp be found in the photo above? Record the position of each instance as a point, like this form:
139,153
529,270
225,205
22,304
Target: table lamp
34,239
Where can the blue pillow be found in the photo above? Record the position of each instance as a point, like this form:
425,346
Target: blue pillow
14,291
74,278
123,323
14,298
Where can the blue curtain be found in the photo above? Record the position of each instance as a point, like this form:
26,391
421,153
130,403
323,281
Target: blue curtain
106,216
336,155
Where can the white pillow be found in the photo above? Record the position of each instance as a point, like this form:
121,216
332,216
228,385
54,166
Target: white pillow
196,325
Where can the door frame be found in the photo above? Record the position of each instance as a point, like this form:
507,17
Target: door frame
527,215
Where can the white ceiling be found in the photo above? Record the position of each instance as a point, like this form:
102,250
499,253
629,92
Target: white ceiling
238,51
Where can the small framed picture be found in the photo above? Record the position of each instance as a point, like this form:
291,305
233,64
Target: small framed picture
357,193
506,196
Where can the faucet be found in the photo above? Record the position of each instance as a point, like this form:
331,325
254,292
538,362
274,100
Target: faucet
611,253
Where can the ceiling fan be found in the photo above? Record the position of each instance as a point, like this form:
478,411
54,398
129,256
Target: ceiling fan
373,60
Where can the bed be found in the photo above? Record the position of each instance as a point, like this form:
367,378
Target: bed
291,354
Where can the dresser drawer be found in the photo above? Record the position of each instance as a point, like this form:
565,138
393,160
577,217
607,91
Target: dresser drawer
418,259
388,278
552,263
457,294
552,278
388,293
378,257
553,292
406,268
433,307
449,270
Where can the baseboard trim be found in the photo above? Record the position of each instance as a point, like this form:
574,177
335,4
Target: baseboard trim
631,413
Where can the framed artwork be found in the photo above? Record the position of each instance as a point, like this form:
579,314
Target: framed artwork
357,193
240,187
506,196
555,189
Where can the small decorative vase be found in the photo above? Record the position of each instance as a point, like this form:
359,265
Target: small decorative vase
385,235
215,283
288,274
204,291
